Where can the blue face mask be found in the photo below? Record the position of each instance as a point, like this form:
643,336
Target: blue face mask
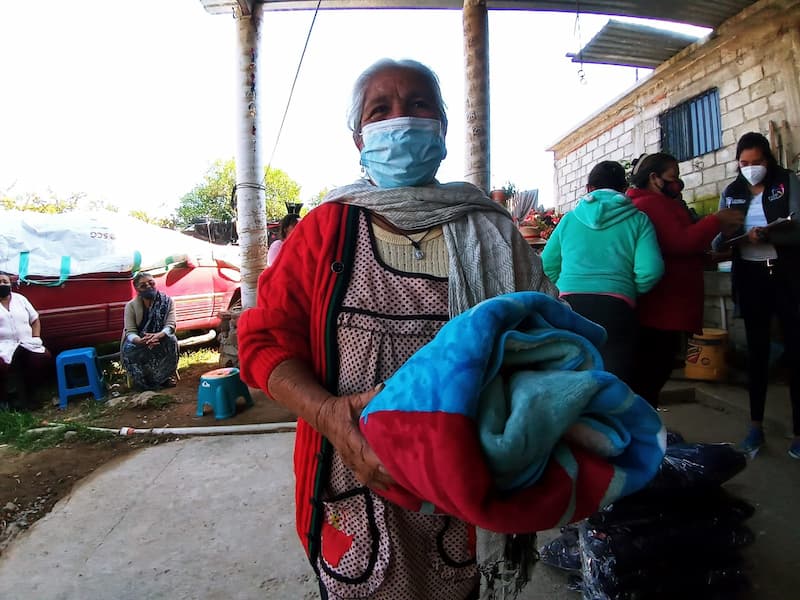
401,152
149,293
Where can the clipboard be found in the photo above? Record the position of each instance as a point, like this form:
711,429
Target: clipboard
776,223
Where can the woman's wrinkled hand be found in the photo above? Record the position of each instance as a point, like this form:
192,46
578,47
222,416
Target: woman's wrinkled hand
338,421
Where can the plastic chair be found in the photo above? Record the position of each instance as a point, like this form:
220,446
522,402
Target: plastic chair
94,378
220,388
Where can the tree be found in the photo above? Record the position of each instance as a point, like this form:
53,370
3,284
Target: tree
33,202
142,215
315,200
212,197
280,188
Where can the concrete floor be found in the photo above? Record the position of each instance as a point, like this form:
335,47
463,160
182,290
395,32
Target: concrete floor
212,518
204,518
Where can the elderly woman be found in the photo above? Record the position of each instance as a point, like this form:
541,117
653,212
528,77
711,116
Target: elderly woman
21,347
149,348
371,276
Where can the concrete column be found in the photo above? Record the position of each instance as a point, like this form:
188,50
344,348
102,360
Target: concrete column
790,82
251,203
476,56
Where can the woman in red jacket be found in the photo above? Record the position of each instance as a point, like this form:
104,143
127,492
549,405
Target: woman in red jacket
675,305
365,280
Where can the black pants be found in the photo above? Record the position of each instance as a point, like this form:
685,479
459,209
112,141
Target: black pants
33,368
763,294
619,320
655,358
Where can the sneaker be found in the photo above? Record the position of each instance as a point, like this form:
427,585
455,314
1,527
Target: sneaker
794,449
753,442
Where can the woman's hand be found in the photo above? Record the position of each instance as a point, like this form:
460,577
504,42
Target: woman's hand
152,339
338,421
757,235
730,220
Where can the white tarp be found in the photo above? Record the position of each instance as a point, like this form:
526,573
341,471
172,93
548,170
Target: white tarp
76,243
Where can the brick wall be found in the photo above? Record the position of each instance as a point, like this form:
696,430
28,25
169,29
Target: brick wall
753,61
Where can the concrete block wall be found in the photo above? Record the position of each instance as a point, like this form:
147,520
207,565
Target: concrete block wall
753,62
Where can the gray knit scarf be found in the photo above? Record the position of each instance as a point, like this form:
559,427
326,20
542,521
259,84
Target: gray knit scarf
487,257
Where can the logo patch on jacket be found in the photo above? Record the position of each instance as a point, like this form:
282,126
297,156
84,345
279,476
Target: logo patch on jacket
733,201
776,193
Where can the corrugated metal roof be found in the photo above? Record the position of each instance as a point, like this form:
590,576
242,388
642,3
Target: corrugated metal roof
225,7
632,45
695,12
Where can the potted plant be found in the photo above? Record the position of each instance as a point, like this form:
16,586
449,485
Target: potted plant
539,224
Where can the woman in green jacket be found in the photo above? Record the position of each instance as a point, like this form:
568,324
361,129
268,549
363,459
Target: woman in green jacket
601,256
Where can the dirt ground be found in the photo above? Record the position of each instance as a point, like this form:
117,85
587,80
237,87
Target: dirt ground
32,482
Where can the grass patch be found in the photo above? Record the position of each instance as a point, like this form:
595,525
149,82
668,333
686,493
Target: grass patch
160,401
14,424
15,430
91,409
201,356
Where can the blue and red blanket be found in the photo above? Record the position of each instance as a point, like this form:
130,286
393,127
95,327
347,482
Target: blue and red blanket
506,420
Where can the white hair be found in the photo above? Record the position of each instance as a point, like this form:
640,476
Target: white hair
360,88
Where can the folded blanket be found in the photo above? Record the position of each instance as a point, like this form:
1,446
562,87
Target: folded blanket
507,421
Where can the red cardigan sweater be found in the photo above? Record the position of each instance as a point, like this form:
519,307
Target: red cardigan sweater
676,302
294,318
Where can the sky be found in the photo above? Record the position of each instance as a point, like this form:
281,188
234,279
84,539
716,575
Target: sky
132,102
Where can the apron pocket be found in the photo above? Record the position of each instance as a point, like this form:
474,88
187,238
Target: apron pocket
354,546
454,555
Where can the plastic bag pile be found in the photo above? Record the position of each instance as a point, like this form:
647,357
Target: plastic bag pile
680,537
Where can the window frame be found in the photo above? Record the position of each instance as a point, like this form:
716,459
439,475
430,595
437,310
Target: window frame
693,127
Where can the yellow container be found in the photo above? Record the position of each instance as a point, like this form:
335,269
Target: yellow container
705,356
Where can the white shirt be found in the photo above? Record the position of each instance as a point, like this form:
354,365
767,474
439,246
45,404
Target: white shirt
15,328
274,250
756,218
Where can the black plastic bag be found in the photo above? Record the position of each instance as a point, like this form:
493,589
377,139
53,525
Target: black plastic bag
564,551
673,437
716,505
610,554
696,466
721,579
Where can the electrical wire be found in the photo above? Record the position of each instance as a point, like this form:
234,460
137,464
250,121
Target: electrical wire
577,32
291,91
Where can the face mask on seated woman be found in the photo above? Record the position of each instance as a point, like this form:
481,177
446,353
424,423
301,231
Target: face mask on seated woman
405,151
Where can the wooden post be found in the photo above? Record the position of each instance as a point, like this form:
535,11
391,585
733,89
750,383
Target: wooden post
251,203
476,57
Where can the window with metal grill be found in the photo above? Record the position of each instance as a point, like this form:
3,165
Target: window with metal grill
693,127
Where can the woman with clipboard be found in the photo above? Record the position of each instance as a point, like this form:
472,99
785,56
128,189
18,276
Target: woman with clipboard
766,272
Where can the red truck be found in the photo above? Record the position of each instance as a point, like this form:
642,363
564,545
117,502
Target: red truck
76,270
87,310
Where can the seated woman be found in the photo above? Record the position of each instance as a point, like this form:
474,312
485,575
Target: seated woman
149,348
21,348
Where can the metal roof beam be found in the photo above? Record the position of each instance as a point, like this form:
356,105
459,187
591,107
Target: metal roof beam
702,13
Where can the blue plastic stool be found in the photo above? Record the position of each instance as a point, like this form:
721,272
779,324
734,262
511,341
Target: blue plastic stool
220,388
79,356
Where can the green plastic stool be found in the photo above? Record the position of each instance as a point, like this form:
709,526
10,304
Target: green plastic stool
220,388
